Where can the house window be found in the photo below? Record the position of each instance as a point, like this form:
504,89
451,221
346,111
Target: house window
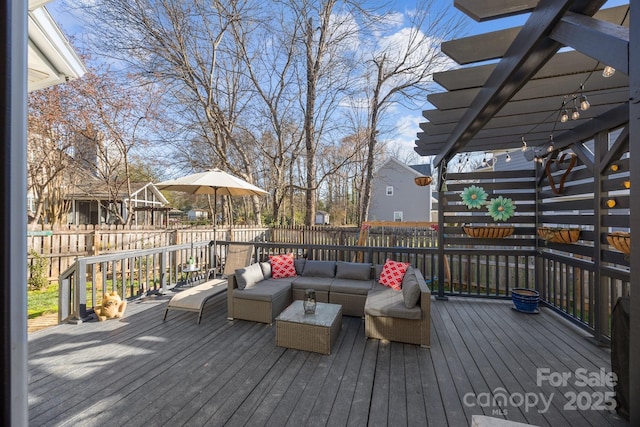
397,216
389,190
30,203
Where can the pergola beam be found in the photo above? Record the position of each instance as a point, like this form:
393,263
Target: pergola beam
634,212
621,143
494,45
493,9
606,42
531,49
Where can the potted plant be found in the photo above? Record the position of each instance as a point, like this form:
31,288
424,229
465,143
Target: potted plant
620,240
499,208
559,234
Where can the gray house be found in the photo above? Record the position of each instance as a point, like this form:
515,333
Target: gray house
396,197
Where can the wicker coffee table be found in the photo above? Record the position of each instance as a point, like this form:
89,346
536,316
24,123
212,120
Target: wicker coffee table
310,332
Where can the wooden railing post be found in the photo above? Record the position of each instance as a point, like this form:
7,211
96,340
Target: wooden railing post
163,271
79,292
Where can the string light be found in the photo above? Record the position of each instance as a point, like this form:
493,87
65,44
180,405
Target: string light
584,102
564,114
575,115
580,103
508,158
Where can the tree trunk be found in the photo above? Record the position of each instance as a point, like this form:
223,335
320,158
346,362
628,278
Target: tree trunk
310,197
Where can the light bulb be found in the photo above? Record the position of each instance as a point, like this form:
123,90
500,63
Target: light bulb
524,145
550,147
584,103
608,71
575,115
564,116
484,161
508,158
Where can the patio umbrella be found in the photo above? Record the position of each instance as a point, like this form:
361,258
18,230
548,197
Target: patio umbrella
216,182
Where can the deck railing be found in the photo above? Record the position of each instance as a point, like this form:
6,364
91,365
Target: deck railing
566,286
578,291
131,274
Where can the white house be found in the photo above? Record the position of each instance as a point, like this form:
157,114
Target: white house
396,197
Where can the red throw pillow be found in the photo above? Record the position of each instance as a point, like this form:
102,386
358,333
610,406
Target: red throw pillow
282,266
393,273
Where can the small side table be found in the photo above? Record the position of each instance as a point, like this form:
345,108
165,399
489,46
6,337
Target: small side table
310,332
190,269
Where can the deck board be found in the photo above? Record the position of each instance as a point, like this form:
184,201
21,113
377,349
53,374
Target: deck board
139,370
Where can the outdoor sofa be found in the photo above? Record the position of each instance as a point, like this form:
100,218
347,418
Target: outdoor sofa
394,315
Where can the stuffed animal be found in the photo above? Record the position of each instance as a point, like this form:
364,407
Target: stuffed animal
112,307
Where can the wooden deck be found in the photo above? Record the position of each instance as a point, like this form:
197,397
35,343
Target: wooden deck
142,371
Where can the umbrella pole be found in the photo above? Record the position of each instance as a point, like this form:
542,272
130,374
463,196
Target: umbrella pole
215,245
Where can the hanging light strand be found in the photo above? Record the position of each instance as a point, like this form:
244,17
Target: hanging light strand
580,103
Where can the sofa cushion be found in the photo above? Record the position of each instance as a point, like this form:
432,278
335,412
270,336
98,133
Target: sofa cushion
266,290
299,265
393,273
316,283
248,276
282,266
319,268
377,270
350,286
353,270
390,303
410,289
266,269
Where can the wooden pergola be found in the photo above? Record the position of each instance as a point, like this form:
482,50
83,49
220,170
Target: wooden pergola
535,72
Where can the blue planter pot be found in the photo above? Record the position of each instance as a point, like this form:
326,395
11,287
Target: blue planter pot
525,300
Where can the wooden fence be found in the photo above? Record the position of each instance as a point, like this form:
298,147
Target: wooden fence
61,246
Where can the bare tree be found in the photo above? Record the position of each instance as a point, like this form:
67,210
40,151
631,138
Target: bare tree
49,155
183,46
269,59
400,70
79,131
107,122
328,34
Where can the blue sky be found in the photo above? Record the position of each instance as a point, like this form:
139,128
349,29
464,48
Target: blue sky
402,139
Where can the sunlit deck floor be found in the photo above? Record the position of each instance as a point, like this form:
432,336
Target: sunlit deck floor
142,371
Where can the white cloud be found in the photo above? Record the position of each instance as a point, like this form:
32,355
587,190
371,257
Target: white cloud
404,135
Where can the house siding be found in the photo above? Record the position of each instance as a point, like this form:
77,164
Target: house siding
413,201
517,162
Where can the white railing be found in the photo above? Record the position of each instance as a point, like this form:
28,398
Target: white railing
131,274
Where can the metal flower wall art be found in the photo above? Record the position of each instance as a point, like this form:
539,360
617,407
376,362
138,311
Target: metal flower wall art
474,197
500,208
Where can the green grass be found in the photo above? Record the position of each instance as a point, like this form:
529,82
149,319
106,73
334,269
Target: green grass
43,301
46,301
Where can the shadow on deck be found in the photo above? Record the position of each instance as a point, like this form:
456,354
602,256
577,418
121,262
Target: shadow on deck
142,371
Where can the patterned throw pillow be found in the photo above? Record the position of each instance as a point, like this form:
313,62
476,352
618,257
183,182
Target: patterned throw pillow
282,266
393,273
